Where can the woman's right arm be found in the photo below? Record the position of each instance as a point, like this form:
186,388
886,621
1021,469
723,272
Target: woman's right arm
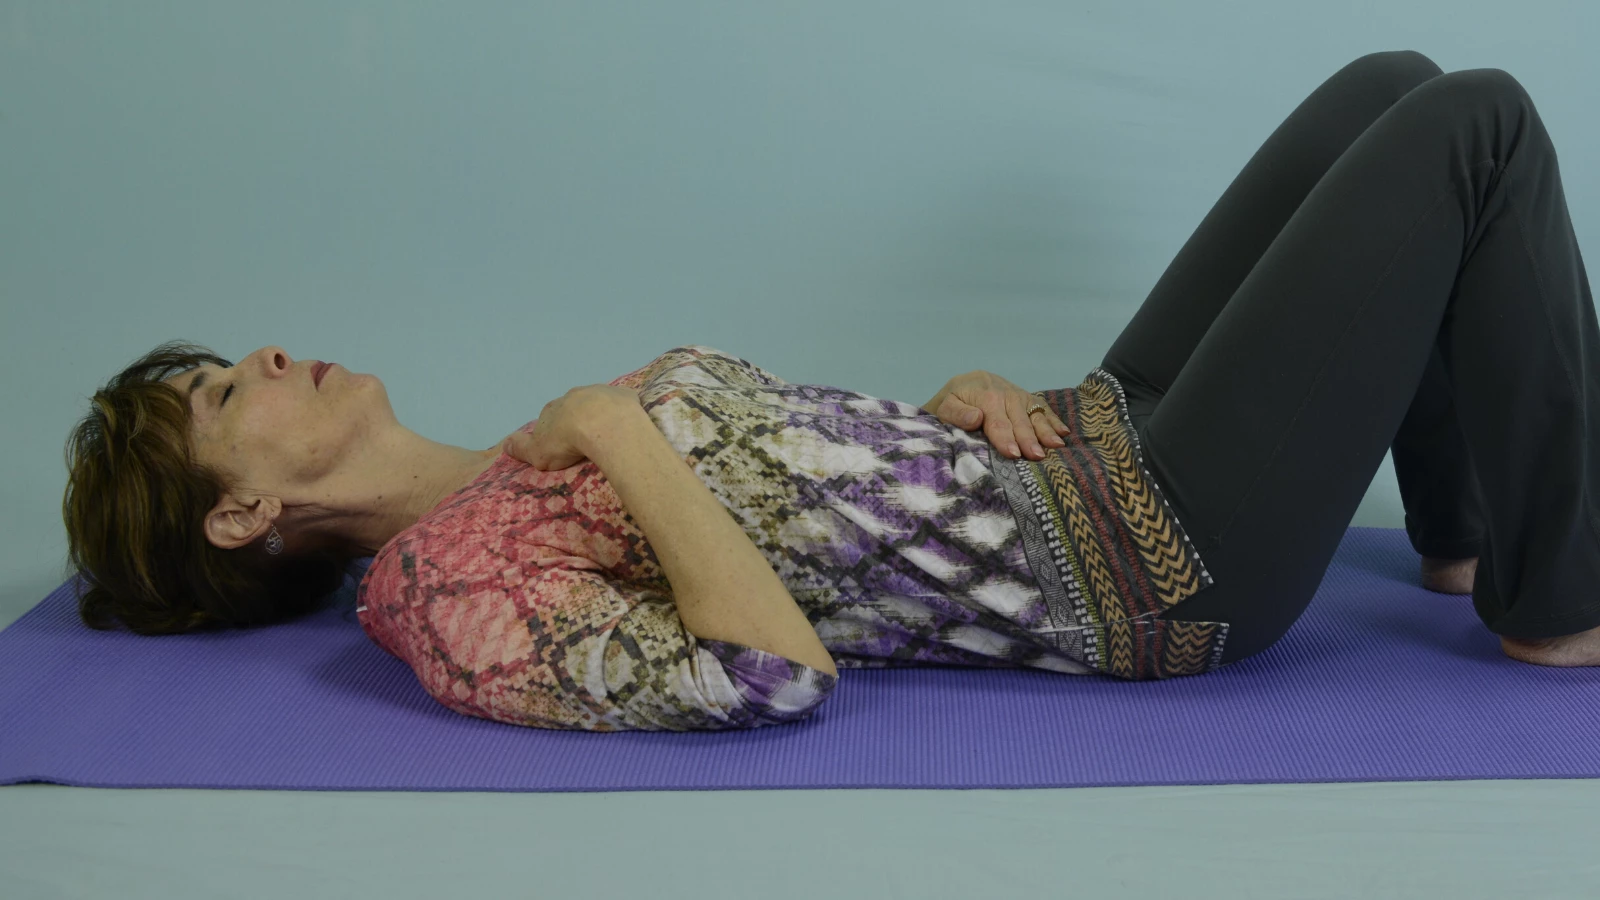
724,588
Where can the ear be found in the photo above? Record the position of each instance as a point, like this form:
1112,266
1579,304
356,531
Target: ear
232,524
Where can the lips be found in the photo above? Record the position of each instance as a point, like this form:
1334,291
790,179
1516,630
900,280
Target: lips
318,371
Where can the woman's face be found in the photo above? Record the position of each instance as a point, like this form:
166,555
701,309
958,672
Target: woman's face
266,422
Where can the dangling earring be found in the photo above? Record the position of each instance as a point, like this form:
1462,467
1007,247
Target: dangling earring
274,541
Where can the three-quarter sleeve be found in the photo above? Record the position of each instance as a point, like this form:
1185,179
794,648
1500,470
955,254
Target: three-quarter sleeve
657,675
575,648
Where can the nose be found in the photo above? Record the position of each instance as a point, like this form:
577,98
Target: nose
277,359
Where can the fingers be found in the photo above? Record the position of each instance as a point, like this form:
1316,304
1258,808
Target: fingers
1051,426
1048,428
954,411
1019,434
1024,438
1003,415
1009,429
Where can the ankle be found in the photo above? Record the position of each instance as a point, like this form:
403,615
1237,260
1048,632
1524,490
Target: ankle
1449,576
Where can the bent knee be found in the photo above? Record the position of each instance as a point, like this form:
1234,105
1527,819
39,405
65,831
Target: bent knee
1405,69
1477,89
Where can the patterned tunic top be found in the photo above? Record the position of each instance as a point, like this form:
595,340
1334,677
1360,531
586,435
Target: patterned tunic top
534,598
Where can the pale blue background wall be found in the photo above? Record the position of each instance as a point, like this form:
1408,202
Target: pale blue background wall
488,203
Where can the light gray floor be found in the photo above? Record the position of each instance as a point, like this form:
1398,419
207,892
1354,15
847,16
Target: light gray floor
1470,839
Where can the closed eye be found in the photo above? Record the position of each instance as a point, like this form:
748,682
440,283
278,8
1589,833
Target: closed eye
225,394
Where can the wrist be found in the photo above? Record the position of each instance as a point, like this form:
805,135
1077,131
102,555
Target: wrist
612,422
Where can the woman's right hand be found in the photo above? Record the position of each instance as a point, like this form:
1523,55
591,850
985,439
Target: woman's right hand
984,399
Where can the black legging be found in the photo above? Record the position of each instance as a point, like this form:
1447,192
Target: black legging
1394,268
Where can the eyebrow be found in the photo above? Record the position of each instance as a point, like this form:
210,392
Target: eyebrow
195,383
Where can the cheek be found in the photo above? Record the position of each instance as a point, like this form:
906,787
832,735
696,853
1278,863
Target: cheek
266,434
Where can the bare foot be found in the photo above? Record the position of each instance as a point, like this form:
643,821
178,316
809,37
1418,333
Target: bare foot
1449,576
1581,649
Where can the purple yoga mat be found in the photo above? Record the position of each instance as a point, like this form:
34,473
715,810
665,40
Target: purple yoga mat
1380,680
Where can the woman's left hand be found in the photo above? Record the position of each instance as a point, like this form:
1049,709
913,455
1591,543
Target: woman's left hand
984,399
561,433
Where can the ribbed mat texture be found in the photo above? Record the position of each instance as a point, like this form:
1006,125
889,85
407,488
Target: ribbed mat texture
1380,680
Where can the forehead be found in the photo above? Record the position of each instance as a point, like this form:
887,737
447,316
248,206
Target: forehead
190,381
181,379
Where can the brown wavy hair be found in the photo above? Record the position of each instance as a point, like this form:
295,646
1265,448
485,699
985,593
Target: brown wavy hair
135,509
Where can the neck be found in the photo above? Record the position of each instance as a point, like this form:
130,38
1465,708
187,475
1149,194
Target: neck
387,487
